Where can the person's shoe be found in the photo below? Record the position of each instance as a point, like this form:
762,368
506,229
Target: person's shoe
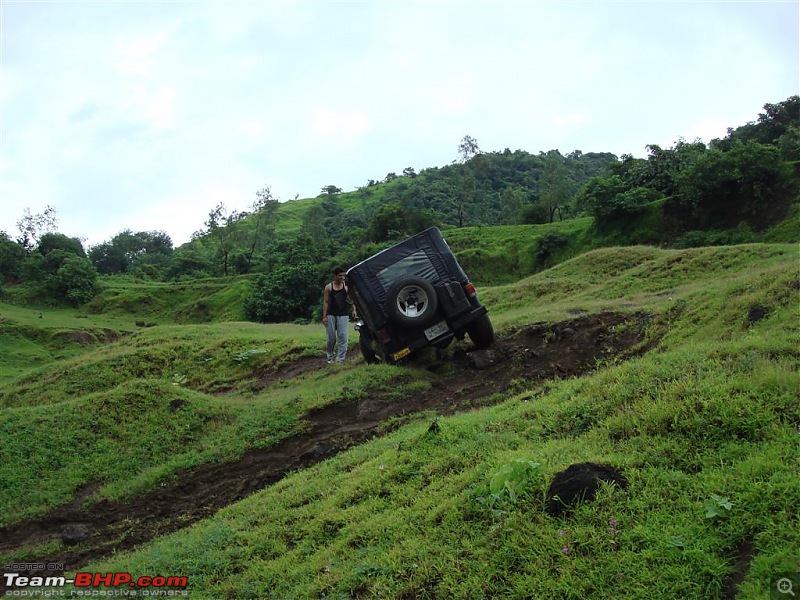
329,361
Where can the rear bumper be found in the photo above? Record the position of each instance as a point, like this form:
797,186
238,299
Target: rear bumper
402,345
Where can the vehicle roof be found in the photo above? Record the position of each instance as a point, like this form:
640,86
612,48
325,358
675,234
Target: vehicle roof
430,239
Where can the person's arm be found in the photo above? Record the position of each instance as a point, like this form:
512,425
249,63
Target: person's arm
325,296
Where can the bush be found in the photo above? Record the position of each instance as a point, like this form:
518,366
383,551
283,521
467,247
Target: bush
746,183
535,214
12,255
698,239
547,245
73,281
611,201
287,293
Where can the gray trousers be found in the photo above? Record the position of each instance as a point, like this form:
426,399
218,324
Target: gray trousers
337,337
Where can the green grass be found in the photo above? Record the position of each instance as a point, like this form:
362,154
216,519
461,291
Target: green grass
498,255
400,517
32,337
641,277
198,301
136,432
708,419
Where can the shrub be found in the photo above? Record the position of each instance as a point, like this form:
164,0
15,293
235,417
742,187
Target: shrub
547,245
287,293
74,280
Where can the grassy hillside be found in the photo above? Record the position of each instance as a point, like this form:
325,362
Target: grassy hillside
702,420
32,337
503,254
194,301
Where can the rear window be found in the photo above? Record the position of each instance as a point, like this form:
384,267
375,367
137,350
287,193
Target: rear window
417,264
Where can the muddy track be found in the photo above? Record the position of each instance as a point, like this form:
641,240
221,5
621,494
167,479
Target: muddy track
532,353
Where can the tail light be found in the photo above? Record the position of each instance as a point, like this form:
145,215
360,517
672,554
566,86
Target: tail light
383,336
470,290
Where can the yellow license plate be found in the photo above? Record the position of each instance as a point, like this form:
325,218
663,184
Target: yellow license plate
401,354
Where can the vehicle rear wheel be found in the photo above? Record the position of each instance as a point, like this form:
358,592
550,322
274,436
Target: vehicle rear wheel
481,332
365,344
412,301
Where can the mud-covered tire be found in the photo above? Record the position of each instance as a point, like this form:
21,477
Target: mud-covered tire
481,332
367,351
412,301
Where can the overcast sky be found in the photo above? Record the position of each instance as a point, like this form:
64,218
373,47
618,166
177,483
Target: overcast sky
144,115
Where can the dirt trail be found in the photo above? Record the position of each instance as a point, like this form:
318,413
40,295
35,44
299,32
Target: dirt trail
534,352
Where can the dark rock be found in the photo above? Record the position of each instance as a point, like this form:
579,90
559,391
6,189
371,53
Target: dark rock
482,359
579,483
757,313
317,452
74,533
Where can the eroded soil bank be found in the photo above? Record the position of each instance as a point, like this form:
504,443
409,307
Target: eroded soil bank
467,380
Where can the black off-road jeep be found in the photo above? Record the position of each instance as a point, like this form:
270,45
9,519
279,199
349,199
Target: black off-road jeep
414,295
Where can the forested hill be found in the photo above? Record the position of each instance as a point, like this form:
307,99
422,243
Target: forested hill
741,188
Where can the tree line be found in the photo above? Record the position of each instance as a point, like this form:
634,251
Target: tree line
689,194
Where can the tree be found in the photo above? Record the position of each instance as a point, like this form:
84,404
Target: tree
534,214
74,280
555,186
31,226
664,167
393,221
514,199
745,183
12,255
222,231
61,275
611,201
265,218
148,253
467,150
778,125
58,241
289,292
330,190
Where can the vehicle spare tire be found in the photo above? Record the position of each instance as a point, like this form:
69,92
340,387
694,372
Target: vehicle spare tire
481,332
412,301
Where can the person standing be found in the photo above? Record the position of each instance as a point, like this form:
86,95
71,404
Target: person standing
336,308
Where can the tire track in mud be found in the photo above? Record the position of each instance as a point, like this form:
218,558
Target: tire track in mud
535,352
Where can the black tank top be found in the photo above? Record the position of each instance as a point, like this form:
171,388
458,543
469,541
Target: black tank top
337,302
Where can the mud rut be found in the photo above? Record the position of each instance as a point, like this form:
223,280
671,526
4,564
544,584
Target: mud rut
533,353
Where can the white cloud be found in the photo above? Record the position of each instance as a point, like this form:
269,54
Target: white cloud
326,122
155,108
145,115
136,56
570,119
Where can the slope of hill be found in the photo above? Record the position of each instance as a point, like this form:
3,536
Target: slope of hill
677,367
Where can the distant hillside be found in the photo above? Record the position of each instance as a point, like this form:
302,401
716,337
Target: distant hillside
743,188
